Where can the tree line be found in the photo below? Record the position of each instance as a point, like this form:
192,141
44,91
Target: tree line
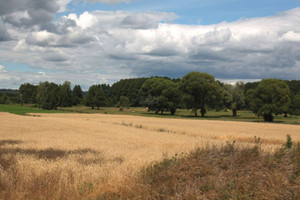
197,91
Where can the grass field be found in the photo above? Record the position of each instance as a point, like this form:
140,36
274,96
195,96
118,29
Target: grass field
22,110
245,116
84,156
185,114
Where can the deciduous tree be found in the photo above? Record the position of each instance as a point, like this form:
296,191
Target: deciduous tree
161,94
202,90
271,96
95,97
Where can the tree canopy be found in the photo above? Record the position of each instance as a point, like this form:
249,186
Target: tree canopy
271,96
233,97
95,97
161,94
47,97
77,95
28,93
194,91
202,90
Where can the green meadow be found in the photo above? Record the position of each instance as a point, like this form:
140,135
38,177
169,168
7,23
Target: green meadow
224,115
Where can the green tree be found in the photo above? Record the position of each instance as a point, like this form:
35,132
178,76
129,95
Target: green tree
161,94
127,88
77,95
271,96
234,97
123,102
294,108
65,94
47,97
172,96
4,99
28,93
201,91
95,97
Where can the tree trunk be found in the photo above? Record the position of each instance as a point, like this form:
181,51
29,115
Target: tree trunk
196,114
234,112
268,117
203,111
173,111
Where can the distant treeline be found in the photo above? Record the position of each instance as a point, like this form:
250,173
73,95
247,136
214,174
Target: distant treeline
197,91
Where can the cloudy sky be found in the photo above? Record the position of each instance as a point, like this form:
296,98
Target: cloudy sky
101,41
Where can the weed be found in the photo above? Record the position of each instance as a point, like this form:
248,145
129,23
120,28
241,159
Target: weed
162,130
86,188
257,140
126,124
139,126
229,147
288,143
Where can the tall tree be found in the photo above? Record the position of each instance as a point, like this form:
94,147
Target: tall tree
28,93
124,102
202,90
234,97
95,97
161,94
65,94
294,108
77,95
4,99
271,96
47,95
127,88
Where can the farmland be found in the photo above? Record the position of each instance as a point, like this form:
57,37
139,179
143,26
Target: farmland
83,155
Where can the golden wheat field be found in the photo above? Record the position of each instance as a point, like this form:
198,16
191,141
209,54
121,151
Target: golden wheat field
69,156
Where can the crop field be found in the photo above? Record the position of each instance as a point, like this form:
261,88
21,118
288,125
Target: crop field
79,156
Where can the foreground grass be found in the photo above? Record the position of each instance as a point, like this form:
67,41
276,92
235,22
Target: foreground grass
228,172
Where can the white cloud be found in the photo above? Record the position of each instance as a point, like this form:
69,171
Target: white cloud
2,68
291,36
119,44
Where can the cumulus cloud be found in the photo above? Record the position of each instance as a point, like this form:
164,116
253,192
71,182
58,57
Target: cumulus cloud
119,44
291,36
31,13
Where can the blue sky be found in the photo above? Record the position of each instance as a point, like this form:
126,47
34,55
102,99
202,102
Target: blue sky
196,11
88,43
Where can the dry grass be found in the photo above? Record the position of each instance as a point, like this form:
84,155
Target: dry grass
226,172
74,156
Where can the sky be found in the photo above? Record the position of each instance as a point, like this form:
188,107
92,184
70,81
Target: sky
102,41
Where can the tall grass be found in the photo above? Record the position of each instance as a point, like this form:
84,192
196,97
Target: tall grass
224,172
227,172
